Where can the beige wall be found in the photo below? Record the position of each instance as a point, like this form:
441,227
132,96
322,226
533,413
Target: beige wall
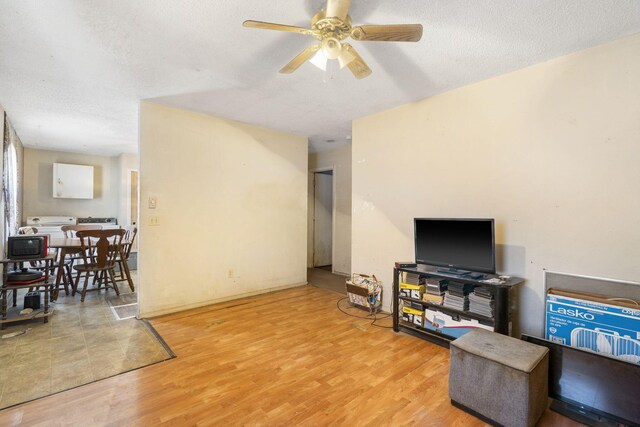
340,161
38,184
231,208
551,152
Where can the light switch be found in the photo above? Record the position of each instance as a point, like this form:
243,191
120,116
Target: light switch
152,202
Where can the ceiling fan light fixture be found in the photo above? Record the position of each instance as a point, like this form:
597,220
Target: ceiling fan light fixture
331,73
330,67
331,47
320,60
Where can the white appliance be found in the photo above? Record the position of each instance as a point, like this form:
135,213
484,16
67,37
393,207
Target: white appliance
106,223
50,224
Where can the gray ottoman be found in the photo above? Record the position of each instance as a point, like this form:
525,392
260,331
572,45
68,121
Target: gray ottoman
498,378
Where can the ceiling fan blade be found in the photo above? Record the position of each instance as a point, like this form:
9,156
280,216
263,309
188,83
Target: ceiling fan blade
345,57
278,27
338,8
388,33
303,56
357,66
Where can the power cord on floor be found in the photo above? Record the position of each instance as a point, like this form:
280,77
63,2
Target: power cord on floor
375,315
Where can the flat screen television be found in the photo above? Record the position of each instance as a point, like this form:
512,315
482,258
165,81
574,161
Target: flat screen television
592,388
457,245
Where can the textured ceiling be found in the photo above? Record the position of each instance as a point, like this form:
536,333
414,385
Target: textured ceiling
72,72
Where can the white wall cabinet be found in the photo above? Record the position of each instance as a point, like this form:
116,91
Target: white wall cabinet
72,181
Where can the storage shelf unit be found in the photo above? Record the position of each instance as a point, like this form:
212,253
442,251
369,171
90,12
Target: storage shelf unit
7,286
452,311
502,303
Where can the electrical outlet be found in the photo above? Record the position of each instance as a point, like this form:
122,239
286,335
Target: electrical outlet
230,274
154,220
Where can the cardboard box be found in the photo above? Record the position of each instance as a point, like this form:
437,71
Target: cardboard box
594,323
435,299
412,315
443,323
411,291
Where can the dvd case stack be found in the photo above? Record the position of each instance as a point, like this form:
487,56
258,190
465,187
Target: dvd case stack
457,296
413,279
435,291
481,302
412,286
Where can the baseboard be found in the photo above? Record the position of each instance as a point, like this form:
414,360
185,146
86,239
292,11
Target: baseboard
184,307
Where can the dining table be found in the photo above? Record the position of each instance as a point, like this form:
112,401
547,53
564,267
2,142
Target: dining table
73,245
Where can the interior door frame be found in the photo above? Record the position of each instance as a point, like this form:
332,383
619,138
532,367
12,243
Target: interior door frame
131,222
313,172
128,210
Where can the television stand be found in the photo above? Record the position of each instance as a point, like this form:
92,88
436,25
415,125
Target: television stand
446,322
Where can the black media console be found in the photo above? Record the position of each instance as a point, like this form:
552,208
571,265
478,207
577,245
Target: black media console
499,291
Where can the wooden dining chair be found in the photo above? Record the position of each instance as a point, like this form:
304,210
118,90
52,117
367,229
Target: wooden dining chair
70,232
127,243
99,251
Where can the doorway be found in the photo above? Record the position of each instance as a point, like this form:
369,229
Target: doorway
323,219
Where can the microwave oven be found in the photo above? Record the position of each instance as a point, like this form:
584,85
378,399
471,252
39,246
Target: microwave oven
27,247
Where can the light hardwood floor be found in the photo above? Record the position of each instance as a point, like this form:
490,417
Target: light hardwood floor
285,358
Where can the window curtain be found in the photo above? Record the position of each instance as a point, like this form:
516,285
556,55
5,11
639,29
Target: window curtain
12,154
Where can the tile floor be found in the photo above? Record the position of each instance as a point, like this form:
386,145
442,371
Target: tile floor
83,342
321,278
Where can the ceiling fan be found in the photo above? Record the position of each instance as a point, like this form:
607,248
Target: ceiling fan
331,27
